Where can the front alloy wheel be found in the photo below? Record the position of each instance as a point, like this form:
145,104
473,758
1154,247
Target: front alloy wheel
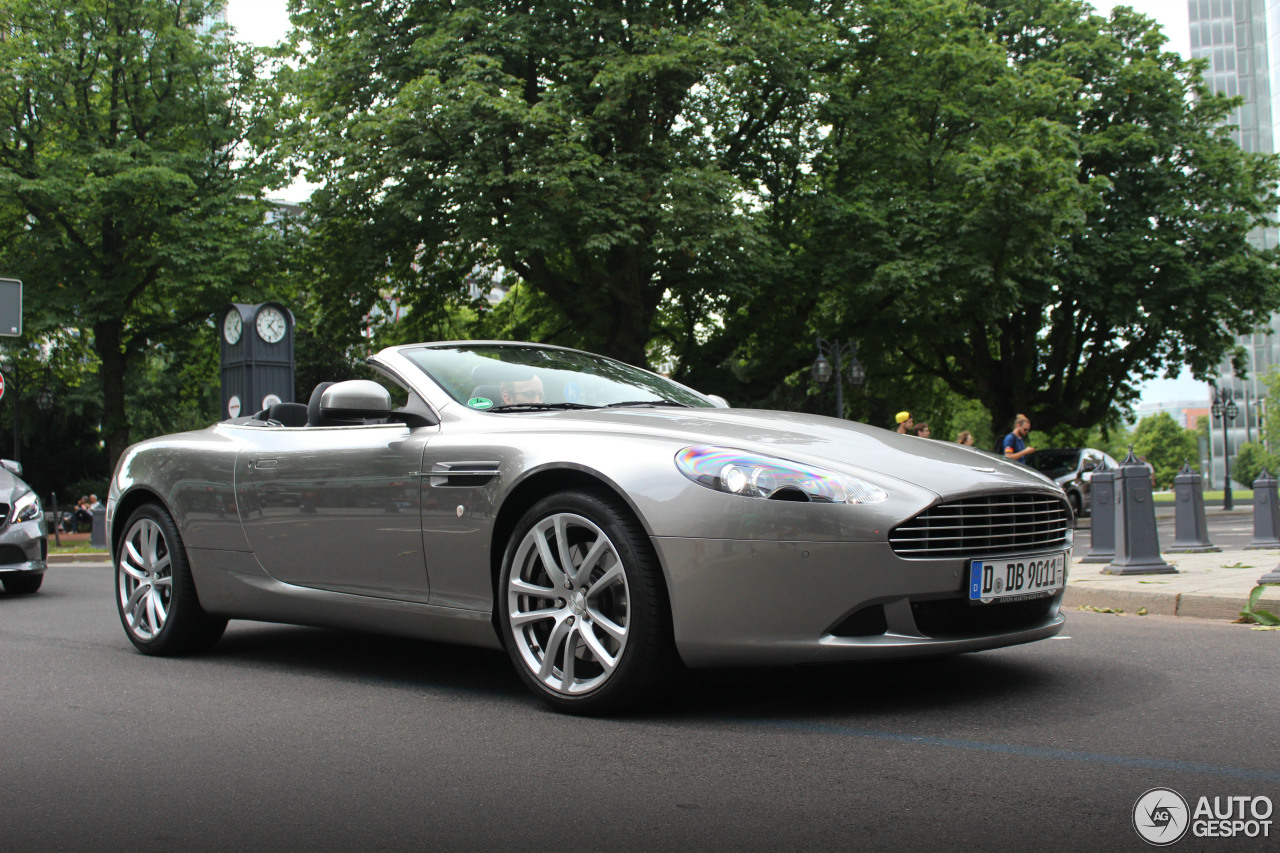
584,612
155,594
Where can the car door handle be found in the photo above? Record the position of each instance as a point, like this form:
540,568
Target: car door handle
266,464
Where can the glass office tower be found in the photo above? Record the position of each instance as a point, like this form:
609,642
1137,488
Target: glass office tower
1240,40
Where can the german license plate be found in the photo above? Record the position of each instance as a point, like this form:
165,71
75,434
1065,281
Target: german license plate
1013,578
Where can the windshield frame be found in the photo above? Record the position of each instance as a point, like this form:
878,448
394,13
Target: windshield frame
503,364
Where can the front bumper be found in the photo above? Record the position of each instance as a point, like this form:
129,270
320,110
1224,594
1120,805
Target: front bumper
738,602
24,548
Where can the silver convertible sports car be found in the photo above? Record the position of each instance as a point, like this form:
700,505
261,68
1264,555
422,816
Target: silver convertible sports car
603,524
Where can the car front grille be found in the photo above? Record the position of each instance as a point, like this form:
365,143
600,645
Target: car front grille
985,527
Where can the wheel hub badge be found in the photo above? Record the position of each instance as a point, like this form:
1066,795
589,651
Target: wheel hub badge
578,604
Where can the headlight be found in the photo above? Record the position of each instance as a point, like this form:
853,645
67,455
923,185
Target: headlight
25,508
752,475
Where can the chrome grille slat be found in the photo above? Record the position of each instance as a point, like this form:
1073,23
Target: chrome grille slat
984,526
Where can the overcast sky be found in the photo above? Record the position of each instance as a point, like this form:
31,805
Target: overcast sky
267,21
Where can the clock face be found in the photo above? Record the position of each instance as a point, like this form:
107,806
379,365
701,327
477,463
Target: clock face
232,326
271,325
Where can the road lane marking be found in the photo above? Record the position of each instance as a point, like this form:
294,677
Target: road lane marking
1136,762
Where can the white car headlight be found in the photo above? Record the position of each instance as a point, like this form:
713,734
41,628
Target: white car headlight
25,508
752,475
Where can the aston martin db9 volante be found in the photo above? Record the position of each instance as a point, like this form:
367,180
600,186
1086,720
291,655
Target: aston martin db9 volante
603,524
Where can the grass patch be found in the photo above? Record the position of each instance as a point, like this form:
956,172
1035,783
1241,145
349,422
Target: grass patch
76,548
1209,495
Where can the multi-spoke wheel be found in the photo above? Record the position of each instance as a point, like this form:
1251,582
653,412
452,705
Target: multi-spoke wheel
582,604
155,594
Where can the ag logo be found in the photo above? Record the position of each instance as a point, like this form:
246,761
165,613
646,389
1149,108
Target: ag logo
1161,817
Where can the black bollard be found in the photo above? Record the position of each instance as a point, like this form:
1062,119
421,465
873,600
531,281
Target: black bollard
1137,542
1266,513
1102,534
1190,531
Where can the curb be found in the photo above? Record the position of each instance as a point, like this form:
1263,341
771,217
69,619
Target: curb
1157,604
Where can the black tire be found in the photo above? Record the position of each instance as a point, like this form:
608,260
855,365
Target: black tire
614,616
1077,506
155,593
22,583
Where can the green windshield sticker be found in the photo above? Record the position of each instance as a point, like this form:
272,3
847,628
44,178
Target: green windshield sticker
480,403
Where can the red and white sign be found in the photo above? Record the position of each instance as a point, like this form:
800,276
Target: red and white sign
1,384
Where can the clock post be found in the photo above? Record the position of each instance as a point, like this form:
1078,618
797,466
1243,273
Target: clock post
257,357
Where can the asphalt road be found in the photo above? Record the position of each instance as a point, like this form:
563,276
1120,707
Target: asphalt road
288,738
1227,529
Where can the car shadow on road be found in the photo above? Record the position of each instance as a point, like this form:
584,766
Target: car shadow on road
869,689
351,655
971,682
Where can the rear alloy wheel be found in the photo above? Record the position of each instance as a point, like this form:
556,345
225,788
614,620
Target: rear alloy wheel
583,608
155,594
1077,508
22,583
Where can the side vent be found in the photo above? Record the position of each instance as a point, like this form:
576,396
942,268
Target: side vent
462,474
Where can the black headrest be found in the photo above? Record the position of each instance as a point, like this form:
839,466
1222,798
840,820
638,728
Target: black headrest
314,417
289,414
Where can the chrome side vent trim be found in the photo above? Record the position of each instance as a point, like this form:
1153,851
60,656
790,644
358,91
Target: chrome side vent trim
462,474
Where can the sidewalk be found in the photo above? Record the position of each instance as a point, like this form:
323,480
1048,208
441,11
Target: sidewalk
1206,586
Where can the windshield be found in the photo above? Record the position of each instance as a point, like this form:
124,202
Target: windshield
516,377
1054,463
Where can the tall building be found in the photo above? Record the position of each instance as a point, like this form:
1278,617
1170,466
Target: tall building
1240,40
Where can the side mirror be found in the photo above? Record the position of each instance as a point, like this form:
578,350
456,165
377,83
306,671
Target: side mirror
12,465
355,398
1089,465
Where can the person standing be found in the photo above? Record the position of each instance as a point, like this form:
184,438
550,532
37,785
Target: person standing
922,429
965,438
905,424
1015,443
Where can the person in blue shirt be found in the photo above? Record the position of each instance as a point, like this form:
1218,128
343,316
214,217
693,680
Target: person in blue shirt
1015,443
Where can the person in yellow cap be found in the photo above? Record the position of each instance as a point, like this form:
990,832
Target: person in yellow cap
905,423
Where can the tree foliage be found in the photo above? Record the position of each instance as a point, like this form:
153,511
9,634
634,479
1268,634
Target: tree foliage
605,154
128,188
1027,202
1165,445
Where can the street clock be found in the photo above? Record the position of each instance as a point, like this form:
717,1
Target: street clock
257,357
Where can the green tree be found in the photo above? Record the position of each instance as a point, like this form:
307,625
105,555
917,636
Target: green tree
1165,445
1250,460
608,155
1039,206
127,135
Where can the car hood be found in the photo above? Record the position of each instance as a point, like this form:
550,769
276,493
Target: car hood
11,485
940,466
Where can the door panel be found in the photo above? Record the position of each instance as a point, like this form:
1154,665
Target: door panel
338,508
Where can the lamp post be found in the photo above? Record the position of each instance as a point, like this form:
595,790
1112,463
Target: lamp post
830,360
1224,409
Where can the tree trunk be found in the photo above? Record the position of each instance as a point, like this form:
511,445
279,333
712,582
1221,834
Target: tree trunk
115,419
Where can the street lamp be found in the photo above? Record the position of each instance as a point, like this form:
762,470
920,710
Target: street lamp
830,359
1224,409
